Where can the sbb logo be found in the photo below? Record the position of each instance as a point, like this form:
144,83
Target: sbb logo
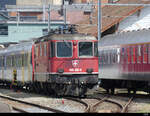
75,63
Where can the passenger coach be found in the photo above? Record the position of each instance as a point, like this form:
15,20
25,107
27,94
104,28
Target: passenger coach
125,61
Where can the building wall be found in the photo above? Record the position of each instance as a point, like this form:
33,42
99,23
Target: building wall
24,32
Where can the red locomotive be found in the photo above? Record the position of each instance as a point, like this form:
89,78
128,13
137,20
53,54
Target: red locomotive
60,63
125,61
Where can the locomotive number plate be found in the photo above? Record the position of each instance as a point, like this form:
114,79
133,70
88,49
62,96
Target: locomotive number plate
75,69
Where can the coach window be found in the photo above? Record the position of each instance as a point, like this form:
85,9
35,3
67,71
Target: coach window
96,49
22,57
64,49
129,55
122,55
19,61
85,49
132,55
26,59
139,54
149,53
100,57
105,57
145,53
0,61
114,56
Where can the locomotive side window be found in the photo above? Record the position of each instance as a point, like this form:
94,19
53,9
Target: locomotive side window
85,49
52,49
36,51
64,49
45,50
40,50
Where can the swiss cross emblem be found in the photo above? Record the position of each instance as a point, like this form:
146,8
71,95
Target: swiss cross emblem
75,63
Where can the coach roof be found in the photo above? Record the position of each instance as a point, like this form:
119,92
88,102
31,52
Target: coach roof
133,37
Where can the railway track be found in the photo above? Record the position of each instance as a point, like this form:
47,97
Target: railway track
87,106
125,108
10,99
121,107
46,109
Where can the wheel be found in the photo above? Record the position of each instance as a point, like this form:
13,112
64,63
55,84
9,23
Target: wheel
112,91
129,90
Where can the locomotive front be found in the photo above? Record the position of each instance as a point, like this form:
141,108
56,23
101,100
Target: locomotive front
74,64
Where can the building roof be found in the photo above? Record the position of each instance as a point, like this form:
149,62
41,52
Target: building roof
111,15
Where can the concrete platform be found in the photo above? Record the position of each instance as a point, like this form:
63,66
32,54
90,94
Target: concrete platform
4,108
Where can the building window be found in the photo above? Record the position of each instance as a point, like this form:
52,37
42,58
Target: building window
3,30
45,32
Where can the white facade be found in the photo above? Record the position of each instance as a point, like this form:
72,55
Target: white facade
38,2
137,21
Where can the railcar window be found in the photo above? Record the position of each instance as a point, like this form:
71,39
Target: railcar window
149,54
123,55
26,59
8,61
0,61
129,55
85,49
64,49
139,54
101,57
22,57
145,53
19,61
132,54
96,49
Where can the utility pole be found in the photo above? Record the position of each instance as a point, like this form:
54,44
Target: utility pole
99,20
44,10
49,20
64,12
18,18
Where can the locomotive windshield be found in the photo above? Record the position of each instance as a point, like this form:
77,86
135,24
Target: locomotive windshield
85,49
64,49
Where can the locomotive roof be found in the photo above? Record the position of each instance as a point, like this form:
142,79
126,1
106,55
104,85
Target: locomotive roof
66,37
133,37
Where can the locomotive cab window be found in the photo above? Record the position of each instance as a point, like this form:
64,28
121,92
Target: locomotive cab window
85,49
64,49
